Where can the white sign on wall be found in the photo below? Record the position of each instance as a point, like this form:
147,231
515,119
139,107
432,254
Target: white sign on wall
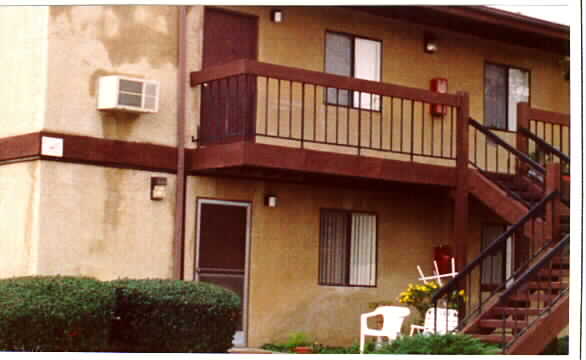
51,146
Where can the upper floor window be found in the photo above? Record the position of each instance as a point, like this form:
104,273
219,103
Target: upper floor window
349,55
504,88
347,249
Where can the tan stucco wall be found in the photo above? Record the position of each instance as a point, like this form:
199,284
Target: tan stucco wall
19,213
86,42
284,291
23,40
299,42
101,222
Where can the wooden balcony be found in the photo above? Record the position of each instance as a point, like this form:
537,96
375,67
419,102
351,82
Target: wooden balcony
264,120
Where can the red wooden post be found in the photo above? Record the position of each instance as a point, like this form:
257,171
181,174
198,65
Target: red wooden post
460,224
522,140
553,183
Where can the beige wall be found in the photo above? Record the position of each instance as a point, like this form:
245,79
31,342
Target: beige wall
299,42
101,222
284,291
86,42
23,40
19,213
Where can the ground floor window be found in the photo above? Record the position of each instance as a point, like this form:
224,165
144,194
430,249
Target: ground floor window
347,252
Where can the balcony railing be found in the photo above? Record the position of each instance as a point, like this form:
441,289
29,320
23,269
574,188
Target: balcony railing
259,102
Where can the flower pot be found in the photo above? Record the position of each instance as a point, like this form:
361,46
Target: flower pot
303,350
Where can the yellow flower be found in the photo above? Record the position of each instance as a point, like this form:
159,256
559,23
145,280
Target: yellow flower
461,292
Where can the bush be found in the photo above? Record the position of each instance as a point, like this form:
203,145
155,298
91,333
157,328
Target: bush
55,313
173,316
558,346
450,344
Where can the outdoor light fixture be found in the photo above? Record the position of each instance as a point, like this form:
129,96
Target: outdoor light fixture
271,201
430,43
158,188
277,16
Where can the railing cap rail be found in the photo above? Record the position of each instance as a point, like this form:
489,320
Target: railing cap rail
253,67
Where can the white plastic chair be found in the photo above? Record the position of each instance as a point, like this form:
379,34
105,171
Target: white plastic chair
393,317
443,326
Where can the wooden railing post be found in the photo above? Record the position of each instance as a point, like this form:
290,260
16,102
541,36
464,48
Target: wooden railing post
522,140
460,222
553,183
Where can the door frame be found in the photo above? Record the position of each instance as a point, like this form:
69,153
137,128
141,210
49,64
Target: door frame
199,201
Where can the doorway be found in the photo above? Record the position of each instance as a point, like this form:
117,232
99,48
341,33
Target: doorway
223,236
227,108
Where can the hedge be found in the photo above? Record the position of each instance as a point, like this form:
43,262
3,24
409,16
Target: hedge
55,313
155,315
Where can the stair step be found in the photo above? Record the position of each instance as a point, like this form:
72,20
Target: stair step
496,323
511,310
547,285
553,273
561,260
530,195
533,297
493,338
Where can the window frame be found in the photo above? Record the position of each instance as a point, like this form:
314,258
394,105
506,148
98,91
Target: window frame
353,37
349,214
507,67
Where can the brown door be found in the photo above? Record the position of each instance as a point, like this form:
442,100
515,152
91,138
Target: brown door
228,104
221,257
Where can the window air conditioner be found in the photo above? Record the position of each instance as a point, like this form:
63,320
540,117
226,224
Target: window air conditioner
128,94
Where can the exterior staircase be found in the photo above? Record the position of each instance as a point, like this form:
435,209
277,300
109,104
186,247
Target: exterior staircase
529,307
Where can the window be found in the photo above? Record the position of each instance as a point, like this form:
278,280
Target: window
494,268
504,88
347,251
357,57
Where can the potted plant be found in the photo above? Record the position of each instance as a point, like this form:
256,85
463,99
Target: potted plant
419,296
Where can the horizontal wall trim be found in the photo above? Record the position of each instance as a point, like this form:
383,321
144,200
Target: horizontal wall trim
245,154
93,151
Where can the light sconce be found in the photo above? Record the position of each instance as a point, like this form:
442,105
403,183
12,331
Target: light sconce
429,43
158,188
271,201
277,16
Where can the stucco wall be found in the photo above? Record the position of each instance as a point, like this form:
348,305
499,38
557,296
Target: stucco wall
299,42
86,42
101,222
284,291
19,210
23,40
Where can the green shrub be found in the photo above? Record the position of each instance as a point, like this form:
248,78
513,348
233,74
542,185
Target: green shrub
450,344
558,346
173,316
55,313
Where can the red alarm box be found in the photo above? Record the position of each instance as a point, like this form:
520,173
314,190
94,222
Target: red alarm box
443,256
439,85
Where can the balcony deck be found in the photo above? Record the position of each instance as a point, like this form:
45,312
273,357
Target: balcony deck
264,120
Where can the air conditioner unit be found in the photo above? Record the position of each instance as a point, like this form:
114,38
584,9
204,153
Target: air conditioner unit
128,94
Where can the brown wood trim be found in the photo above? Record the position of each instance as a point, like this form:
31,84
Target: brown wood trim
549,116
546,329
245,66
318,162
461,206
90,150
20,147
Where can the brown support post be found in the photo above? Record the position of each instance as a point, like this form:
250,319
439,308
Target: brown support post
522,140
460,224
553,183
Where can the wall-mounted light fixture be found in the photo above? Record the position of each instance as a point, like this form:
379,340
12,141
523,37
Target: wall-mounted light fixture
429,43
277,16
271,201
158,188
